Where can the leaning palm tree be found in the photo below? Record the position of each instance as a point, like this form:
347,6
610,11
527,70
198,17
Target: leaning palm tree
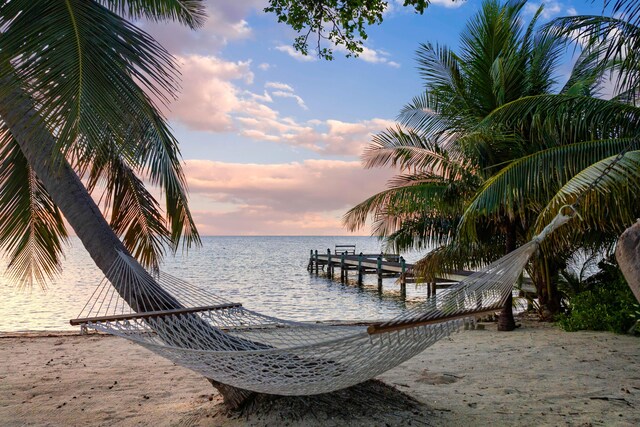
80,88
443,150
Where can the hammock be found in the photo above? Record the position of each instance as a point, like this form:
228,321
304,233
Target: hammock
233,345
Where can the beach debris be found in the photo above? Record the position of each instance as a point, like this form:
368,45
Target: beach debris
611,399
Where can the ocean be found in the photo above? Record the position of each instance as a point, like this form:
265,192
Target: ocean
267,274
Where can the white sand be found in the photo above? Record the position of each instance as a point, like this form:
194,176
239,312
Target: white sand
536,375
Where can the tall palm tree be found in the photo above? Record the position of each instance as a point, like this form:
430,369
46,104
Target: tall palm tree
444,150
596,132
79,92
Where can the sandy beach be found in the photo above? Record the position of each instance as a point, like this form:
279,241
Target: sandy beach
536,375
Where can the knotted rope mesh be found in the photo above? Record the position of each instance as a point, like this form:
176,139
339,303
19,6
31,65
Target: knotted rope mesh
233,345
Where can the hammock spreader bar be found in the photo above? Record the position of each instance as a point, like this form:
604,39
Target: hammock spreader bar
379,328
150,314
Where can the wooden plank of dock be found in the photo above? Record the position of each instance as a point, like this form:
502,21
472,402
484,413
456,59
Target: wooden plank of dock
375,264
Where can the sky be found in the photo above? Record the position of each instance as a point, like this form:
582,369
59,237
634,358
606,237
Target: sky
271,139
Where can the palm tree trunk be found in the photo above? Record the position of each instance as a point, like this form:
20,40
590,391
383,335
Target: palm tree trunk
628,257
506,322
72,198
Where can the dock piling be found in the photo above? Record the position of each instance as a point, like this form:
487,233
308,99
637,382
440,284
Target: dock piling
329,265
316,254
360,258
379,272
403,278
343,271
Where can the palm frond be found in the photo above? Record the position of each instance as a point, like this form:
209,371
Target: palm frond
617,38
135,215
160,158
530,181
610,207
629,9
587,75
568,118
187,12
458,256
421,233
397,202
91,78
440,69
423,115
86,67
32,230
408,150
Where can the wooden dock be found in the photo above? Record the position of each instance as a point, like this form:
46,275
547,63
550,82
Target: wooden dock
382,265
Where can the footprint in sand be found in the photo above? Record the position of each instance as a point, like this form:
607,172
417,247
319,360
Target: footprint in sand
435,378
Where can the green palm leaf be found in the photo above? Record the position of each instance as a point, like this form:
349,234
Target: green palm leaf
135,214
609,207
422,116
528,182
96,78
455,256
568,118
31,227
159,157
87,69
187,12
408,150
399,201
616,38
421,233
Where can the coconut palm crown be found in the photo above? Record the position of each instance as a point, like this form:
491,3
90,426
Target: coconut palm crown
443,150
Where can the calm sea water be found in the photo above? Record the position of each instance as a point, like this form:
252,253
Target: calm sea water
266,274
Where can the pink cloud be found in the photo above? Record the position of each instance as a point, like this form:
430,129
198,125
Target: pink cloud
333,137
293,198
207,96
226,21
210,100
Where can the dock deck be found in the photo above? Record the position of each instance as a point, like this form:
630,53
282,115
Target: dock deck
379,264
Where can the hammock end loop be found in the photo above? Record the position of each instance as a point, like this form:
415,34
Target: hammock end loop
560,219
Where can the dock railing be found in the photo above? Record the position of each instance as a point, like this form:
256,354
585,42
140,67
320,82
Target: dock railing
345,249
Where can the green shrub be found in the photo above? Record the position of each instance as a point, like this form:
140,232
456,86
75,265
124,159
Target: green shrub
608,305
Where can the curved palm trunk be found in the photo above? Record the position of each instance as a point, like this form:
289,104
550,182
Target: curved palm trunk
65,188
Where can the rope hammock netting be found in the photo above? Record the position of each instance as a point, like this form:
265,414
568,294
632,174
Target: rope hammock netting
230,344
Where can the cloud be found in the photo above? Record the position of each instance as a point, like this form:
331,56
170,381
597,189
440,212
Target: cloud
372,56
329,137
450,4
212,99
279,86
397,6
265,97
225,22
292,198
285,94
289,50
264,66
551,8
208,97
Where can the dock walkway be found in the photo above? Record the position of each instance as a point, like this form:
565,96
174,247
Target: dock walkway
384,265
